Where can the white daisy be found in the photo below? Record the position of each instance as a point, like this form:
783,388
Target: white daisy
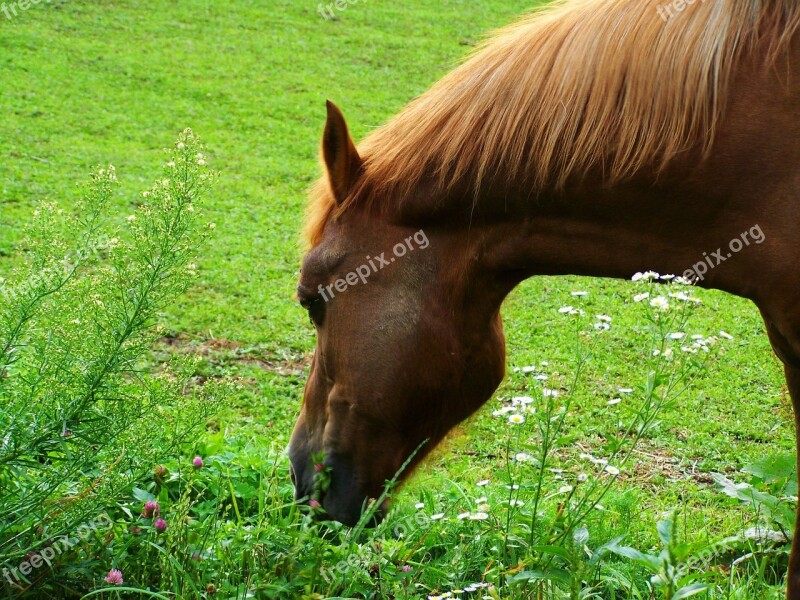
660,302
521,400
683,297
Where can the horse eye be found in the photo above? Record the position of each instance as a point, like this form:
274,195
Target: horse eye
315,307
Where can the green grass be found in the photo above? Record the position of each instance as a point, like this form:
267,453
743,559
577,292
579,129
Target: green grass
87,83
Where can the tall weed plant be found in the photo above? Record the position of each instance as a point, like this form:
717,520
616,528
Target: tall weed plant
82,413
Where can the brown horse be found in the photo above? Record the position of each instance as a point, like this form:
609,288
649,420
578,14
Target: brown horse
596,137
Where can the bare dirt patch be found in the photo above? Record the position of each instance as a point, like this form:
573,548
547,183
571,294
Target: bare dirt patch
223,351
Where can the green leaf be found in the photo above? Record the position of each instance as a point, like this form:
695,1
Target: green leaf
774,468
689,590
554,550
566,440
651,562
559,575
665,531
774,508
142,495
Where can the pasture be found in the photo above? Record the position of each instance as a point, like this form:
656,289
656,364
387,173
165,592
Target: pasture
83,84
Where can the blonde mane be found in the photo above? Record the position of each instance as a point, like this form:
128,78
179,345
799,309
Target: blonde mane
611,86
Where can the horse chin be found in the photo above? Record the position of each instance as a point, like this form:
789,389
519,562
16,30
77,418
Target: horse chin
345,500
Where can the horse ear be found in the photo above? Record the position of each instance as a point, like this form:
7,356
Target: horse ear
339,152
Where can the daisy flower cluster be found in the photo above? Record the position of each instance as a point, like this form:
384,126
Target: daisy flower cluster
618,399
481,512
664,302
694,344
668,311
538,373
516,408
602,322
653,276
515,412
601,462
457,593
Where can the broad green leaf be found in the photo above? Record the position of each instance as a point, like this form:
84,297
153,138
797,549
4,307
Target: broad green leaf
142,495
559,575
651,562
554,550
689,590
774,468
665,531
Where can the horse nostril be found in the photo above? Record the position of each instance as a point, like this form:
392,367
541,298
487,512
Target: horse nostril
292,475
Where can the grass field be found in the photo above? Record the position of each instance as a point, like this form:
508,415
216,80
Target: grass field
88,83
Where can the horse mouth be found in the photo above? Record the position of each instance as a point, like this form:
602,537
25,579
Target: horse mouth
366,514
339,496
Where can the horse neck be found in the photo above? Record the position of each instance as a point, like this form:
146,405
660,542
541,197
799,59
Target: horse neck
681,223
